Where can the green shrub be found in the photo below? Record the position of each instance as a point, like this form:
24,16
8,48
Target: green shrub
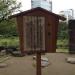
10,41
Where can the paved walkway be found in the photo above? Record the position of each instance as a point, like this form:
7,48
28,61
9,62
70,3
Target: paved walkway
23,66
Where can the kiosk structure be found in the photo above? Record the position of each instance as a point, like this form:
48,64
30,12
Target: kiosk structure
37,30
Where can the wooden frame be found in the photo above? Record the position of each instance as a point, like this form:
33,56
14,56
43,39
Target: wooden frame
49,32
51,28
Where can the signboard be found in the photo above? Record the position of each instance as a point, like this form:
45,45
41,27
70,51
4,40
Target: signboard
34,33
72,36
37,33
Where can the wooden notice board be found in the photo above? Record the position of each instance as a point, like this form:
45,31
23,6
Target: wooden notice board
37,30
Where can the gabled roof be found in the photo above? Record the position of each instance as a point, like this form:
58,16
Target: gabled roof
38,9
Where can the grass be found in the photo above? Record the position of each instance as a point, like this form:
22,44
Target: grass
62,50
11,41
62,45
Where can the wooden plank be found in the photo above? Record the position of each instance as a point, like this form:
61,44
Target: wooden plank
38,63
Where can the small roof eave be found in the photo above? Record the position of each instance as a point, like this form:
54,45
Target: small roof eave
40,9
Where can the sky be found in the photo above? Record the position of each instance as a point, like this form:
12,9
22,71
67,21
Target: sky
58,5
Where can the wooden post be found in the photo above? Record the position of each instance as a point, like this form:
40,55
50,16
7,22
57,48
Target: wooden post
38,63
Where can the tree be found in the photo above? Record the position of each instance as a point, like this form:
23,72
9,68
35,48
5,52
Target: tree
63,30
7,8
8,28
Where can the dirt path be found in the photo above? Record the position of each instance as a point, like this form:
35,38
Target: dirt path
23,66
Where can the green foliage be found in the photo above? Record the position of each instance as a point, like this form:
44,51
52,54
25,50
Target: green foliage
8,26
7,7
62,44
63,36
11,41
63,31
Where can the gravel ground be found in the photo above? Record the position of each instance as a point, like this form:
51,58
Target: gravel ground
24,65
